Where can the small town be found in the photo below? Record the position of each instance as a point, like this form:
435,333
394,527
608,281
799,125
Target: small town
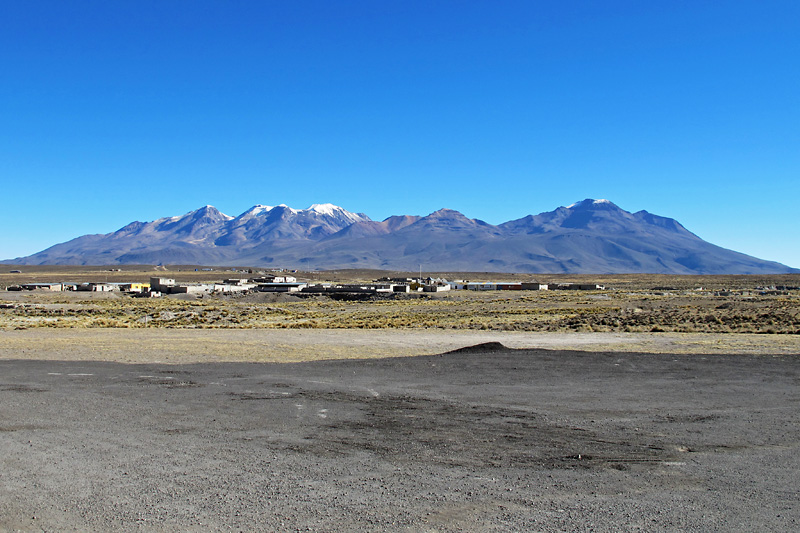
285,283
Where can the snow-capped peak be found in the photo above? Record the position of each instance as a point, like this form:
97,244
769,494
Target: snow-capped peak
335,211
324,209
206,209
216,211
258,209
590,201
287,208
329,210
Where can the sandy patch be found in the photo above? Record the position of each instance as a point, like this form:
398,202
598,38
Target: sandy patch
188,346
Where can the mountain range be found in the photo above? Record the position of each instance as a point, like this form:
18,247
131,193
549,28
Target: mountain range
592,236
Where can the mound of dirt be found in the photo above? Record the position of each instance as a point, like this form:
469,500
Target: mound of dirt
484,347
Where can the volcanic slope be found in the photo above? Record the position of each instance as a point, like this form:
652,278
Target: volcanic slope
592,236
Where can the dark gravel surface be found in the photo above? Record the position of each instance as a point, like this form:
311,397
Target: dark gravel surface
476,440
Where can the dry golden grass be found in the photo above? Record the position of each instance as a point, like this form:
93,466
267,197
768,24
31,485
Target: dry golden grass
632,304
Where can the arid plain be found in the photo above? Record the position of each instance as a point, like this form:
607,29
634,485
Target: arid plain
661,403
766,306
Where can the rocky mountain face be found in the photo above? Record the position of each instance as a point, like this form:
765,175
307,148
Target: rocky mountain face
592,236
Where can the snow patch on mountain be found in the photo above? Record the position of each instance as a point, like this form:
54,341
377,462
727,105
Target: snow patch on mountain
336,211
590,201
289,209
324,209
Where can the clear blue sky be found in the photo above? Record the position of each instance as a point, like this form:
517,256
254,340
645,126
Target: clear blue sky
118,111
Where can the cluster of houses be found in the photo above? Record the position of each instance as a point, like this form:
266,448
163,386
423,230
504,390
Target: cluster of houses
524,286
88,286
439,284
285,283
159,286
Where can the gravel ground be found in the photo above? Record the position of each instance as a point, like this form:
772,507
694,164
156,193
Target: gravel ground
488,439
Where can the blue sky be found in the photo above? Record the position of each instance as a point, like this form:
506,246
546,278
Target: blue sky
121,111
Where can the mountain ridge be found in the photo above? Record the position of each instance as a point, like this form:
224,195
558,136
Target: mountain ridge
590,236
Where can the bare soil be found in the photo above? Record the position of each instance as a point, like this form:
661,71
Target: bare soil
482,439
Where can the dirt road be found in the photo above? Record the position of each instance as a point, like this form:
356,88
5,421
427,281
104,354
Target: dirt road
505,440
